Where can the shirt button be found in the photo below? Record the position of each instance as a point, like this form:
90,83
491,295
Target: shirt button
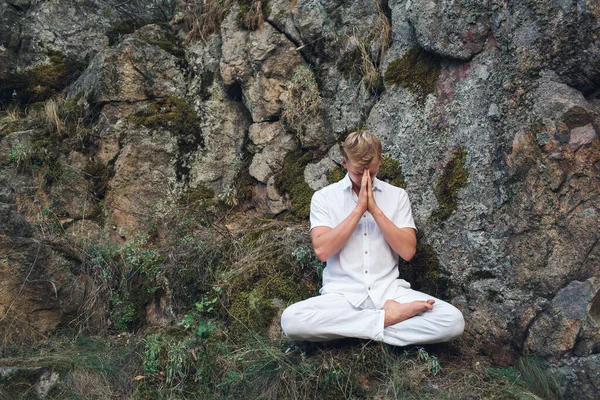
365,233
364,215
369,288
366,272
366,252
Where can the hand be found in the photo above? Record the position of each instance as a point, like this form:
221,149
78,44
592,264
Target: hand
371,203
363,196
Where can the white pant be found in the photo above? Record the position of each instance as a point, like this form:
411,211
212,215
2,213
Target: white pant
330,316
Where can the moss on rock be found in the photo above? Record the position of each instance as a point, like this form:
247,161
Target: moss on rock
454,178
424,271
178,117
335,174
418,71
291,180
390,171
40,82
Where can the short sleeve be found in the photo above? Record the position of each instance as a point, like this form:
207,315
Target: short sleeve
319,211
404,218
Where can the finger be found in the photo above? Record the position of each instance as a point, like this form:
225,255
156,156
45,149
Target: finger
431,301
364,180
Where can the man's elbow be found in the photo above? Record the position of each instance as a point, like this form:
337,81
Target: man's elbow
408,255
321,255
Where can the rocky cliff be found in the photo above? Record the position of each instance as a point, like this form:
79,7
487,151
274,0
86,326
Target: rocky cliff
491,109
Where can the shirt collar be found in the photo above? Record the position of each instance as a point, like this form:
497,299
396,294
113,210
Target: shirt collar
348,183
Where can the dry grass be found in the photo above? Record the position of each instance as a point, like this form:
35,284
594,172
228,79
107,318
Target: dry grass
205,17
13,114
251,15
370,75
51,112
383,29
302,99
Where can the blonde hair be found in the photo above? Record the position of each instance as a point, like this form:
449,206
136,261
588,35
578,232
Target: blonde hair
361,147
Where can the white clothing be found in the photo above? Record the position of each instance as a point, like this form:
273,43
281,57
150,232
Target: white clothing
362,276
331,316
366,266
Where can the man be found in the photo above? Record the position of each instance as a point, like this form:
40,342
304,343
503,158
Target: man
360,225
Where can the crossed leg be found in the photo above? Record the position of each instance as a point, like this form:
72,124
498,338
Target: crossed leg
331,316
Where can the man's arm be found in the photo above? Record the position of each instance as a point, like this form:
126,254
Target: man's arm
402,240
327,241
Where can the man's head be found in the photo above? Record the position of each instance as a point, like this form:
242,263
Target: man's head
361,150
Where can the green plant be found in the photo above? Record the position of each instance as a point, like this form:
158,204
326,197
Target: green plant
535,373
18,155
432,362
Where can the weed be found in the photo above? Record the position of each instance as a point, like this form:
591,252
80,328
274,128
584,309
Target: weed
535,373
368,70
18,155
302,99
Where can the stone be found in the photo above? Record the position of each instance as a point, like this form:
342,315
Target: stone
133,71
582,136
556,331
461,27
272,143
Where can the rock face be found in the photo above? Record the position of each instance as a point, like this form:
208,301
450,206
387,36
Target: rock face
503,95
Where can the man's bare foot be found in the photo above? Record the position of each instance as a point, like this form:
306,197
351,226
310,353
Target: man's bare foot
397,312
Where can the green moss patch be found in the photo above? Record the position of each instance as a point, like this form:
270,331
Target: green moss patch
336,174
424,272
291,180
390,171
454,178
418,71
178,117
40,82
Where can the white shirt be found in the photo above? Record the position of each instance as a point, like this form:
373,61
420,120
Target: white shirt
366,266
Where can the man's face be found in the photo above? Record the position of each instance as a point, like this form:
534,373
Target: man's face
355,171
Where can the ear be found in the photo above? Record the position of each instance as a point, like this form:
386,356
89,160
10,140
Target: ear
344,163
